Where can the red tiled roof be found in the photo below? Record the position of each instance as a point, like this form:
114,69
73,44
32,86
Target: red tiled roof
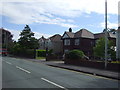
70,34
42,38
81,33
56,37
5,30
100,35
84,33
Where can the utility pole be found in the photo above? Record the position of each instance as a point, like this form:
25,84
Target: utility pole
118,44
118,36
106,35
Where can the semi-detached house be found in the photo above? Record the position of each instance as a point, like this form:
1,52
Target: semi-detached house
83,40
52,43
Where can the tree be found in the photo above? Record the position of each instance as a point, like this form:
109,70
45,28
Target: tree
99,49
27,39
113,31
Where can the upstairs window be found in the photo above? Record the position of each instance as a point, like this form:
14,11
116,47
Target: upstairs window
76,41
66,42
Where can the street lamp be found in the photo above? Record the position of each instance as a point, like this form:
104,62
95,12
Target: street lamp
106,36
46,50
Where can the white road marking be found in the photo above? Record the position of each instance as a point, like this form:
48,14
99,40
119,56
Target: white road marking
54,83
8,63
23,69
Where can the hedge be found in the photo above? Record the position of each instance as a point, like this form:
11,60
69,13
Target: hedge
42,53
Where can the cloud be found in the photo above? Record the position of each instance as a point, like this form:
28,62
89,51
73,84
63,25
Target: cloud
110,25
53,11
28,13
37,35
15,34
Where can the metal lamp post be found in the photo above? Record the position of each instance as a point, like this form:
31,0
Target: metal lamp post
47,51
106,36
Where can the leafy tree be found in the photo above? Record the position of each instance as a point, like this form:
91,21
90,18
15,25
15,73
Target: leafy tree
27,39
111,30
99,49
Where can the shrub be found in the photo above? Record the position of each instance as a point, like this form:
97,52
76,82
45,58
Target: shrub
41,53
75,54
50,51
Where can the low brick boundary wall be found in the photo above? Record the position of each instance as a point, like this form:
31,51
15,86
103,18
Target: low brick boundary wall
94,64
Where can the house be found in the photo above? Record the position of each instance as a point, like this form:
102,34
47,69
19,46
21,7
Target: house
83,40
42,41
55,43
52,43
5,38
110,35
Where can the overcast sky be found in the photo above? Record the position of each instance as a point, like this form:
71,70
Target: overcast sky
49,17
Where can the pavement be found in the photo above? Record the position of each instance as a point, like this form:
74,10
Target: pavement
88,70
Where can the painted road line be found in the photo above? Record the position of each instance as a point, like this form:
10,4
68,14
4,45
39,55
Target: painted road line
23,69
8,63
54,83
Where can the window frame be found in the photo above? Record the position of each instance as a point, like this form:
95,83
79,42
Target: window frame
67,42
77,42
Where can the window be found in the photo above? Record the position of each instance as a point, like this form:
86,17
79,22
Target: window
66,42
76,41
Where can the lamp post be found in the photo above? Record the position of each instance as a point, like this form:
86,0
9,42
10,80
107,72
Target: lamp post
118,44
118,35
46,50
106,36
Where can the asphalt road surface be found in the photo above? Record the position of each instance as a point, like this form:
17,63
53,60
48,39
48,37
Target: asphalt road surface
21,73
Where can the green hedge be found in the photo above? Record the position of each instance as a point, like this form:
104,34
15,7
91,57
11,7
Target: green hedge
75,54
42,53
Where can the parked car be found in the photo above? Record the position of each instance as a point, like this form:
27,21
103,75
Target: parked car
3,52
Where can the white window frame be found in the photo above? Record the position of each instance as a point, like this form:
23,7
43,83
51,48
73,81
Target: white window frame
77,41
67,42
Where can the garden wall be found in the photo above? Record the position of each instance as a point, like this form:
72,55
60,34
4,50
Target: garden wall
94,64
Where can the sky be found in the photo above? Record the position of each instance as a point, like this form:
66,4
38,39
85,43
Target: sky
50,17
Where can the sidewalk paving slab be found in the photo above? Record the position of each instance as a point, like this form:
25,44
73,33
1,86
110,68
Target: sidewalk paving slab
93,71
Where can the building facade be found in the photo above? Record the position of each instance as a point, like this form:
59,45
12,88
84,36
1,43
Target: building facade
5,38
52,43
42,42
55,43
83,40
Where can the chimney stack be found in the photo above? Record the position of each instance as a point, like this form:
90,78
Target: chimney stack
70,29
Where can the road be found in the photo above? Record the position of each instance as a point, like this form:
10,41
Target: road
20,73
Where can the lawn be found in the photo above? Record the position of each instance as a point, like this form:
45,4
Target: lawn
40,57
